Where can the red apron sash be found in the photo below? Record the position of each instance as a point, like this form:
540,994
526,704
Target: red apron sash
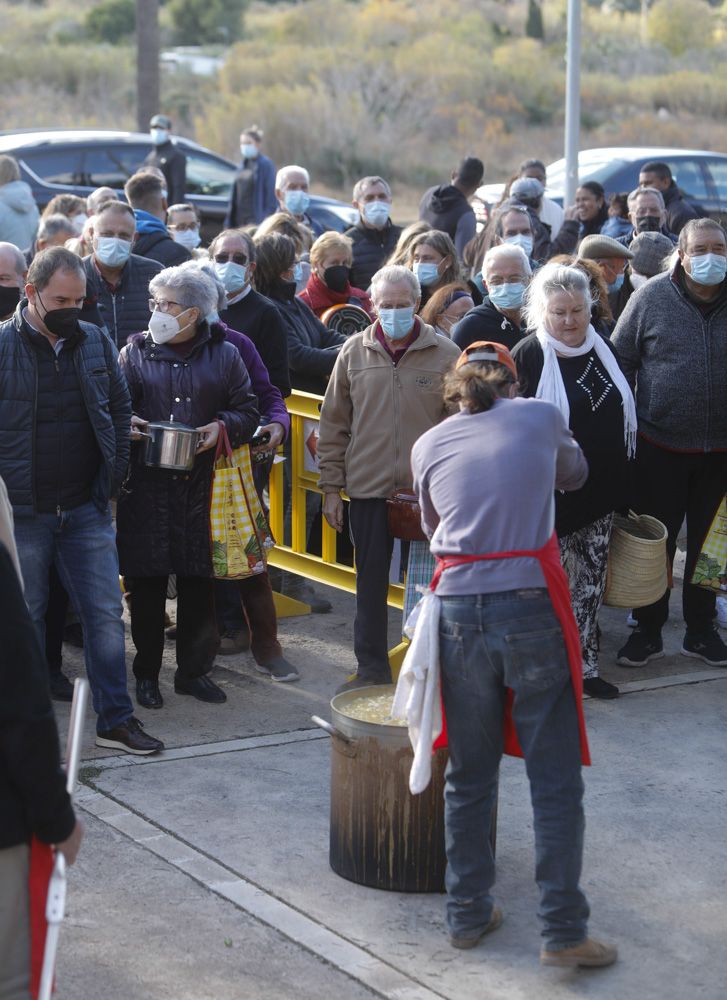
559,592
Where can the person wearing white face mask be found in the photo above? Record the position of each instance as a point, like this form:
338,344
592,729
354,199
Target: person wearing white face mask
252,198
291,190
117,280
168,157
182,368
506,273
374,237
183,226
672,341
235,259
384,392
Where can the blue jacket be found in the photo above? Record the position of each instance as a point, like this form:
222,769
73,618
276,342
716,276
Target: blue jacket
105,395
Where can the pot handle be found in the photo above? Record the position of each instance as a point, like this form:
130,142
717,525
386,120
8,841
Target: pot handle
143,434
331,730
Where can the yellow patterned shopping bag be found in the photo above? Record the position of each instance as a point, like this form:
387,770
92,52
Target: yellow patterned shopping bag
711,567
239,531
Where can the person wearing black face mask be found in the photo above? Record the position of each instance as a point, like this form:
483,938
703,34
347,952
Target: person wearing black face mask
331,257
65,413
12,278
647,214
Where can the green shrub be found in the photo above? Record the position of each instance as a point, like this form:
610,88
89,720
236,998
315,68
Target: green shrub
112,21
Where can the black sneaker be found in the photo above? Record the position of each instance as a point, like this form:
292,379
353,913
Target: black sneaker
279,669
357,681
596,687
129,736
61,688
640,648
706,646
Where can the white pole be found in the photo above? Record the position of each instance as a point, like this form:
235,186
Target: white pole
572,101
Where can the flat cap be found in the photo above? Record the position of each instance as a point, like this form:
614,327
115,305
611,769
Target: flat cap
650,252
597,247
161,121
526,188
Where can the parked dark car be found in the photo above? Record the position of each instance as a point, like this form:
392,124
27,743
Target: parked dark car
701,175
78,161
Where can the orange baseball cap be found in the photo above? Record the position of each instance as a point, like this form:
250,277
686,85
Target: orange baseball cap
488,350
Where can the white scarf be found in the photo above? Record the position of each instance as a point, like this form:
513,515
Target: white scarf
551,388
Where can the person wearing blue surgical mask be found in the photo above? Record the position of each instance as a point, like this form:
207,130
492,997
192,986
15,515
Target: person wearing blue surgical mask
117,280
291,190
252,198
515,228
183,226
506,274
385,391
168,157
374,237
433,259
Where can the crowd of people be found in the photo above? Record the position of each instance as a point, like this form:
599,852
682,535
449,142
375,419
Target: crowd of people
114,315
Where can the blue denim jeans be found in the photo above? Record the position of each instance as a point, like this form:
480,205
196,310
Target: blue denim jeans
489,642
82,545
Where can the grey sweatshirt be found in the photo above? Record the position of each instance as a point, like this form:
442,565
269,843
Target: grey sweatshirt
485,483
676,357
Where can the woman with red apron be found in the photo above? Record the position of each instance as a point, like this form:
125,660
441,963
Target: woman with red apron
509,649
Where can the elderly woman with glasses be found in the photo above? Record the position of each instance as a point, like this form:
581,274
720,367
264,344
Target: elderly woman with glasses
183,369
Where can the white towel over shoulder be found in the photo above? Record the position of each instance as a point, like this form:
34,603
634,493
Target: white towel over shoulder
417,698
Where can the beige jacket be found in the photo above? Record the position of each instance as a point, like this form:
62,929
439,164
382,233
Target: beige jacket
374,411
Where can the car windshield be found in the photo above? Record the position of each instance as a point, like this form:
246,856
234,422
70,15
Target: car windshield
208,176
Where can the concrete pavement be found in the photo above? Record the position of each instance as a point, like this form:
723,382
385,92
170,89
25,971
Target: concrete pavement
205,870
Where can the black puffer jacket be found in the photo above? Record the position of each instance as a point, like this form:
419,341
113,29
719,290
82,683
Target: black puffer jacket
485,322
163,517
105,395
125,310
371,250
161,247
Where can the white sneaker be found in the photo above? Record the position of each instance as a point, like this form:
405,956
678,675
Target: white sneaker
722,611
630,620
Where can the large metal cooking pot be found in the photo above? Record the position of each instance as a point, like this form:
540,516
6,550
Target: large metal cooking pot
381,835
168,445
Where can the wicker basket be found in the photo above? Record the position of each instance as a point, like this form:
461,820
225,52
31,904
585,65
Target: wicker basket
637,572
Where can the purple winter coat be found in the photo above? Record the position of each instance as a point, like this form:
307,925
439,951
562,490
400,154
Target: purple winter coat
270,401
163,517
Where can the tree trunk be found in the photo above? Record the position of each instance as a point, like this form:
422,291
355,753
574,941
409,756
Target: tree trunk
147,62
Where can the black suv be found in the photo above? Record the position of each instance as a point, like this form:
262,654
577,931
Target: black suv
76,162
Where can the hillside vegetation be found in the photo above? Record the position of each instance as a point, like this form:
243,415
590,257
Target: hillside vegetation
399,87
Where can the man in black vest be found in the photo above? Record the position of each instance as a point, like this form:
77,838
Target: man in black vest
117,280
374,236
65,414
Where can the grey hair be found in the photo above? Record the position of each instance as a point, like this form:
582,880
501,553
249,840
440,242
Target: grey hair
631,200
395,274
282,175
193,287
694,226
18,258
51,225
510,251
359,186
549,279
207,267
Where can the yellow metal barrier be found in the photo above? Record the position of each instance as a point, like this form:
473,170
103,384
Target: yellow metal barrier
305,407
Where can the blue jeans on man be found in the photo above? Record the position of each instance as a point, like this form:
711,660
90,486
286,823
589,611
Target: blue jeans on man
82,544
489,642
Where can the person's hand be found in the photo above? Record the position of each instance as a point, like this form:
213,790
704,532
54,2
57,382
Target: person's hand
570,213
208,435
70,846
277,435
137,423
333,510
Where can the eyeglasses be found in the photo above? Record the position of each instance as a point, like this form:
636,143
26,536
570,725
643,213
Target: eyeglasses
163,305
237,258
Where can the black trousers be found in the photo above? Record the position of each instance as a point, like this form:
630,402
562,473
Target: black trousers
197,636
673,485
373,547
55,622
